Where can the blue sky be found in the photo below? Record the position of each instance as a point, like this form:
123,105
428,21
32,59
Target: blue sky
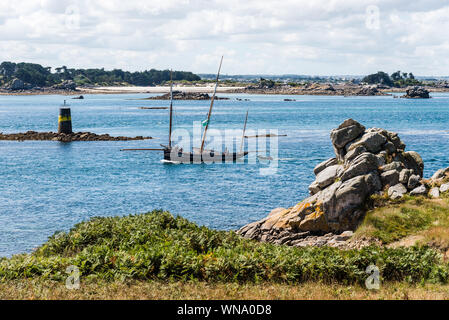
256,37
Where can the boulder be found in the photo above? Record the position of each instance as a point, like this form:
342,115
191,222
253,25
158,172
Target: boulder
354,153
372,141
441,173
394,138
314,188
390,148
434,192
390,177
412,160
346,132
444,187
328,175
367,90
362,164
315,222
323,165
413,181
419,191
395,165
416,92
404,176
373,159
373,182
381,158
345,235
397,191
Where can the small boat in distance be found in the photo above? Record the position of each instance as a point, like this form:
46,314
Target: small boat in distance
175,154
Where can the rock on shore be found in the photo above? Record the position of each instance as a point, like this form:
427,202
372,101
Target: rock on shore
316,88
17,86
416,92
179,95
366,162
54,136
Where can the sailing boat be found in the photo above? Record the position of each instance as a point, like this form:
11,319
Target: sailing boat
175,154
198,155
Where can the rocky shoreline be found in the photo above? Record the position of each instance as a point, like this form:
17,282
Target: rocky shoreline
318,89
179,95
416,92
200,93
346,90
367,162
62,137
41,91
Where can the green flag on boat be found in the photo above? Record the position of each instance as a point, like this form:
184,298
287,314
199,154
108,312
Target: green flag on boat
205,122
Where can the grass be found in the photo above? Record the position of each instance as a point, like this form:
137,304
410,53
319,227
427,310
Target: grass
178,290
423,218
159,247
158,256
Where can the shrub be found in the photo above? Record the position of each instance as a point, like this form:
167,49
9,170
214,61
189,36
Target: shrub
157,245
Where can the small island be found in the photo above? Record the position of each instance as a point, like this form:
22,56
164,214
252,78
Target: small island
63,137
179,95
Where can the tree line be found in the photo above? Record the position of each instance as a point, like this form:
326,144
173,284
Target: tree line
396,79
37,75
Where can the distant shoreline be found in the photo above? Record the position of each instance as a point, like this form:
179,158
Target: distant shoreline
119,90
193,89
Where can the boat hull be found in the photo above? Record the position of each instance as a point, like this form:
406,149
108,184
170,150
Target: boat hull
205,157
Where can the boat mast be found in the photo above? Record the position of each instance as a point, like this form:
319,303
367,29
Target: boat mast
243,135
210,108
171,109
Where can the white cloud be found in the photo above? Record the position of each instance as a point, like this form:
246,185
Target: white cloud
256,36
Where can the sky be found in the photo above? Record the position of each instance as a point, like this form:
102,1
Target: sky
334,37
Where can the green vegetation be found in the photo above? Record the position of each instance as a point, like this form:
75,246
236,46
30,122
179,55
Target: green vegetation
266,83
159,247
38,75
427,220
397,79
404,79
378,78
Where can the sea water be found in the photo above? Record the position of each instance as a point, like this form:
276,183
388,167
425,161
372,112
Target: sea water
48,186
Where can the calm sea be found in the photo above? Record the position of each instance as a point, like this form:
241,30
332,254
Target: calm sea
50,186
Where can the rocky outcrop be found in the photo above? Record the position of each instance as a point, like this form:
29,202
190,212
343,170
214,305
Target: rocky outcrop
366,90
66,85
316,88
440,174
367,162
179,95
437,185
17,85
416,92
53,136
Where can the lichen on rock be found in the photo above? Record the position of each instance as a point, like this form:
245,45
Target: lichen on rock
366,162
